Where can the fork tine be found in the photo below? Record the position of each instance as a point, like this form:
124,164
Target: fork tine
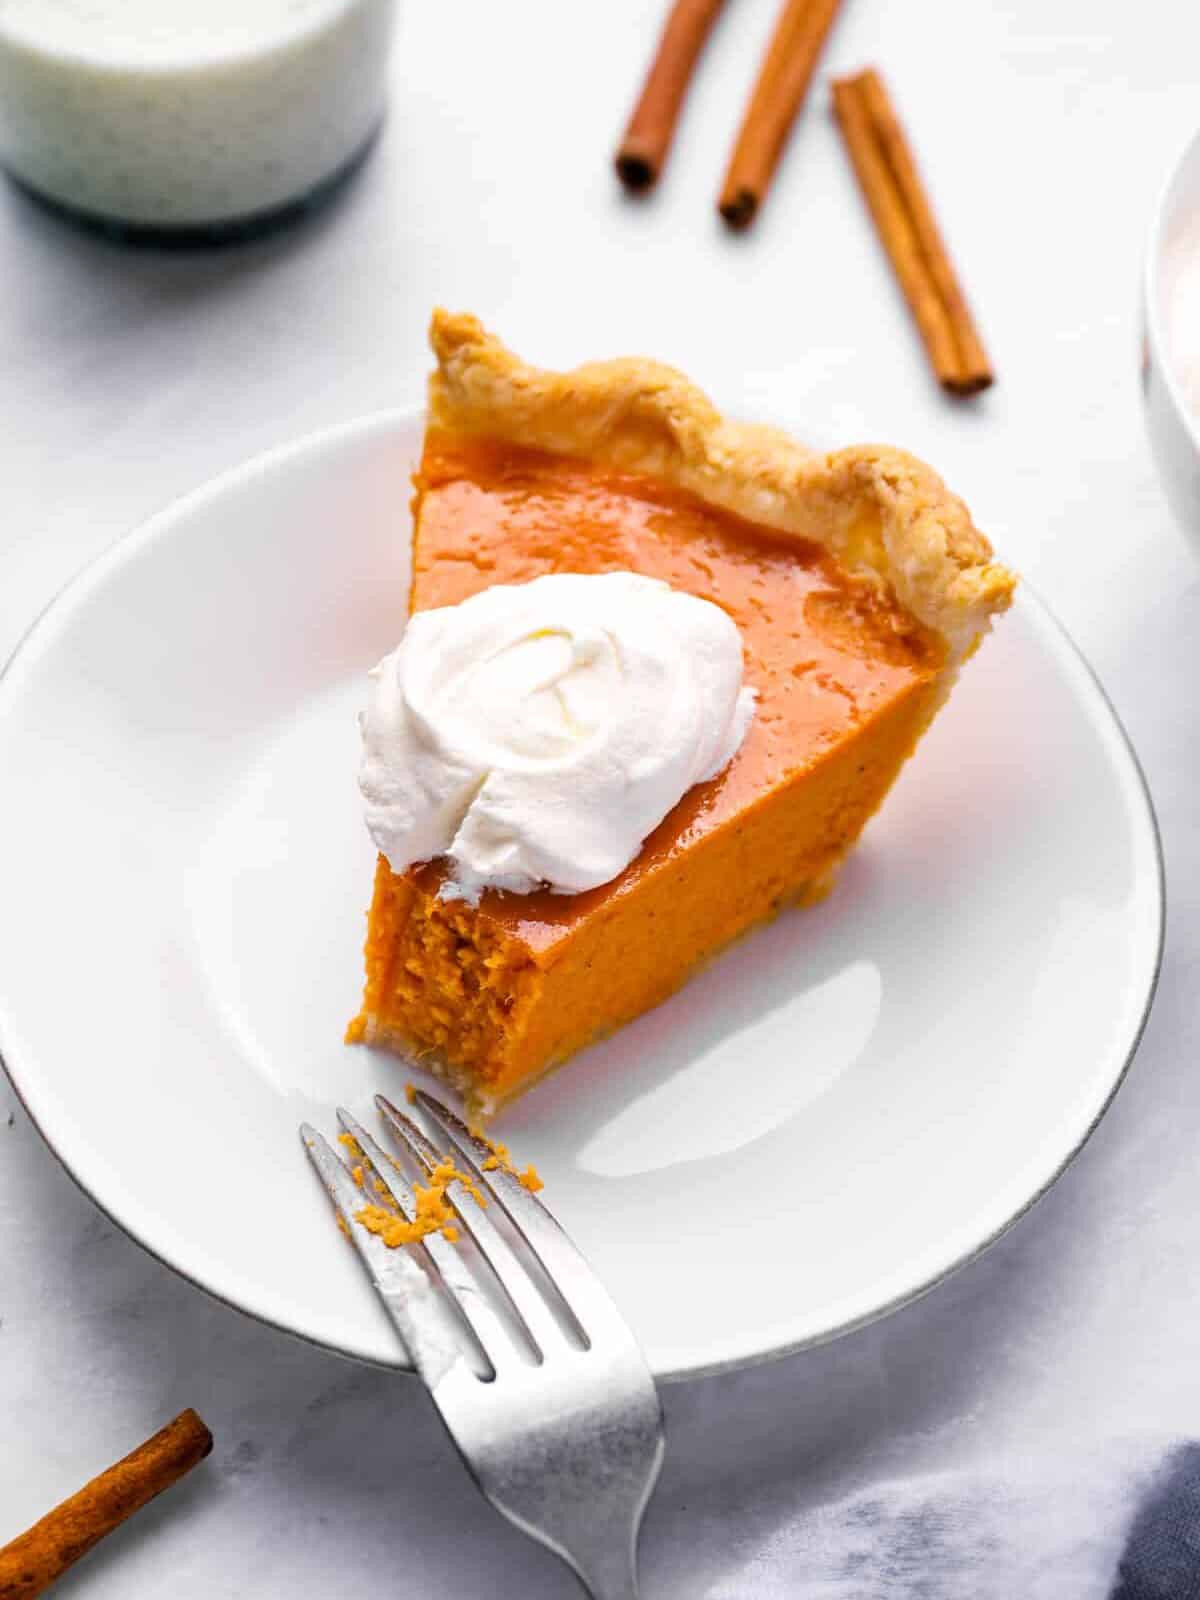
527,1302
376,1162
563,1264
454,1272
404,1287
407,1131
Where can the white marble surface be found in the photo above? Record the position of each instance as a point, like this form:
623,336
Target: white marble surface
1058,1360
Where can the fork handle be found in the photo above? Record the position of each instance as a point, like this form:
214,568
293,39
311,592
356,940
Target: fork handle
609,1575
625,1589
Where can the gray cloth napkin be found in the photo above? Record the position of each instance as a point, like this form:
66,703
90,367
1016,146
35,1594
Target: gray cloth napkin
1121,1524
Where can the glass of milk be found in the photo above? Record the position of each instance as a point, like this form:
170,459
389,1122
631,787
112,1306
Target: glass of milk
186,116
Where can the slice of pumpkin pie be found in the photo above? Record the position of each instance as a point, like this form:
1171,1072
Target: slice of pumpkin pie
671,666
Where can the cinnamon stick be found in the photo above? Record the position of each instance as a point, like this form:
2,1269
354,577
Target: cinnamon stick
37,1557
643,150
783,81
891,185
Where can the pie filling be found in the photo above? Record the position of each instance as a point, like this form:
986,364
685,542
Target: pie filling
847,681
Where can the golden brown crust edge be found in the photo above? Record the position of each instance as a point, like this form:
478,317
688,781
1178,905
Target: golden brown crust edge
877,510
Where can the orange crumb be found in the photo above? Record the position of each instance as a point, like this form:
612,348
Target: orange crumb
341,1222
433,1211
349,1142
500,1160
410,1093
356,1029
473,1189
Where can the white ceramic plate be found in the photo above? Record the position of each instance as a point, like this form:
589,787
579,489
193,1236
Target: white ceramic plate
843,1108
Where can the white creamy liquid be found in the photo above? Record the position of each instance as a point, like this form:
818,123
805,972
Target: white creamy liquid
182,112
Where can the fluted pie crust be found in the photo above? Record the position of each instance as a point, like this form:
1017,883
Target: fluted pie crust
878,511
860,585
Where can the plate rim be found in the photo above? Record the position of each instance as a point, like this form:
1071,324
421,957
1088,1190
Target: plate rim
127,546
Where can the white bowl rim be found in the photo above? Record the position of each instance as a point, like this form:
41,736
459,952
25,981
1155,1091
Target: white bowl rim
1158,345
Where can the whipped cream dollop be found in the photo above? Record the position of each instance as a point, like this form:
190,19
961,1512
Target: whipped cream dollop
536,733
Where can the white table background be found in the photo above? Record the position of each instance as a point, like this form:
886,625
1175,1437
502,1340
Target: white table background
128,378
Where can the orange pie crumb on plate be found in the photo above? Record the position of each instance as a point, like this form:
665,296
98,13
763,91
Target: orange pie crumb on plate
434,1211
859,586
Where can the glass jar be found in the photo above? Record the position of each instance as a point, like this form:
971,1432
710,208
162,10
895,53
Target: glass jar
193,117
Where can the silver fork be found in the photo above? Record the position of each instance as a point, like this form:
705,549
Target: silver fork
537,1378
